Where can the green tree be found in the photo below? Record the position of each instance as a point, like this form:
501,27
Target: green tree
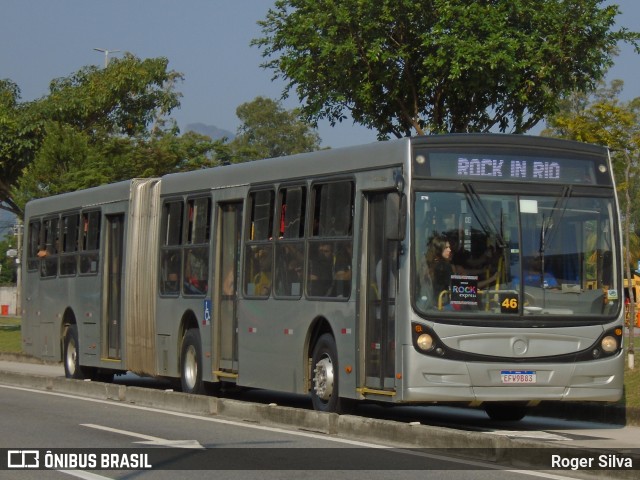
68,160
603,119
86,131
20,136
8,270
126,98
401,66
268,130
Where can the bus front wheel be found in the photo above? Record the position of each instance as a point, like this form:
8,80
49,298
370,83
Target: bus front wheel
325,392
190,363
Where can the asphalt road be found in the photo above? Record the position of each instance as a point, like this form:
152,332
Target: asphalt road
55,419
69,427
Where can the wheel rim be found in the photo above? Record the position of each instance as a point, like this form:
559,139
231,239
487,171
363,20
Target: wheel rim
72,356
323,378
190,367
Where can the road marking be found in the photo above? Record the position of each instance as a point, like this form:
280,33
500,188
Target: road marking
84,475
539,435
325,438
148,439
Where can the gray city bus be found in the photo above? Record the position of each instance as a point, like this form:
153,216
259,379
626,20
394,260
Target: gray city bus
482,270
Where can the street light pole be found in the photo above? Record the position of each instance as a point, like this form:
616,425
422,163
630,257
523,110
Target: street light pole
106,55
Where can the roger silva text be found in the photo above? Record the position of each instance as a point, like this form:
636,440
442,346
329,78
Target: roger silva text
609,461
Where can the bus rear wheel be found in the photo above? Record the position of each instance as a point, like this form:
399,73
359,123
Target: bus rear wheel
190,363
71,353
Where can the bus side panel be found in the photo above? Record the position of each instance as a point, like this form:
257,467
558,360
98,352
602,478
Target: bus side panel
272,336
30,327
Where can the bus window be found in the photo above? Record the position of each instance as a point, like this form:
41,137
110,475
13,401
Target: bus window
171,251
173,223
170,272
196,271
90,242
49,249
258,253
290,242
331,218
196,258
33,245
330,250
199,226
69,244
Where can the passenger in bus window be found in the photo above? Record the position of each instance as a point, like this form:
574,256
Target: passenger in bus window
321,271
195,273
171,273
342,270
438,262
262,279
488,266
289,269
533,274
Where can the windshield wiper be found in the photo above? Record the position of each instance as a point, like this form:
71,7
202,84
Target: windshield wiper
482,215
546,237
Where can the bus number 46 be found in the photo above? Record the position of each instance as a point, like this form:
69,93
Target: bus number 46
509,304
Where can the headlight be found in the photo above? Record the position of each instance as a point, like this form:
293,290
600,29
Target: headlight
609,344
425,342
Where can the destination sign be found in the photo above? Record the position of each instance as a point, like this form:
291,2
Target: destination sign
499,167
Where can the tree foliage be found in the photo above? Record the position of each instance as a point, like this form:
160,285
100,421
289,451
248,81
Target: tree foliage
601,118
20,137
95,126
401,66
8,266
268,130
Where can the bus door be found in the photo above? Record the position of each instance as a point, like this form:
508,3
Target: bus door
113,285
229,231
381,281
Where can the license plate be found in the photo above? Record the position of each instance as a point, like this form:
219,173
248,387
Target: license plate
518,376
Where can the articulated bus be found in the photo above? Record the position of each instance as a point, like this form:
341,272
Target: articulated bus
482,270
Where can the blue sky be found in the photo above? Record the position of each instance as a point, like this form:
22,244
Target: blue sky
206,40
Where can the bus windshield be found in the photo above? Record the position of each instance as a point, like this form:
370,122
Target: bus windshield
515,255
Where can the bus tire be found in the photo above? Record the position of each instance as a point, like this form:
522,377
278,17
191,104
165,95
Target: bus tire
191,363
325,388
505,412
71,354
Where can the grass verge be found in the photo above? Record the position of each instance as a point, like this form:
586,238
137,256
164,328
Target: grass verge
632,377
10,338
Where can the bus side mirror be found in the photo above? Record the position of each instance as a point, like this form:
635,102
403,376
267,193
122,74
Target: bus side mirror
396,216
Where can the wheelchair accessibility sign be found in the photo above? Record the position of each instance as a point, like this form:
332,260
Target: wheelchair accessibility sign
206,319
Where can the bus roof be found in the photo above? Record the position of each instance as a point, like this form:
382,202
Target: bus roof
301,166
110,193
289,168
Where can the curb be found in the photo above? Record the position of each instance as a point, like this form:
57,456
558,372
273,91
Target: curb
440,440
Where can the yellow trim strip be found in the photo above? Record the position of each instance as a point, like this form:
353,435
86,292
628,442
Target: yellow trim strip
371,391
222,374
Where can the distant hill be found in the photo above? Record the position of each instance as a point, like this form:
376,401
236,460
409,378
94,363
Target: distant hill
210,130
7,220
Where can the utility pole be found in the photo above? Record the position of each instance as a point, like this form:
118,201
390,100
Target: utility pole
106,54
18,234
